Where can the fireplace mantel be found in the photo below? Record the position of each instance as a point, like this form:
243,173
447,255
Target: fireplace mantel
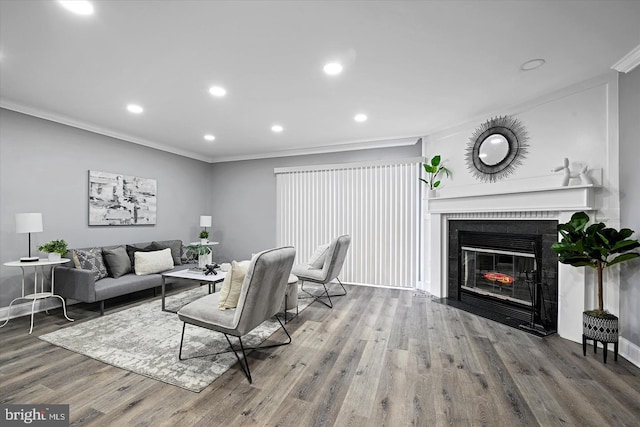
569,198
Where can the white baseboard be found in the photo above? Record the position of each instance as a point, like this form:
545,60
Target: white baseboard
629,351
24,309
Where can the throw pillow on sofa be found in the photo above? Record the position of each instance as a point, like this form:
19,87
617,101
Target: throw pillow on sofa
131,250
90,260
153,262
232,285
117,261
188,257
174,245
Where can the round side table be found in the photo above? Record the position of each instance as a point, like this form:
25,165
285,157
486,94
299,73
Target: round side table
35,296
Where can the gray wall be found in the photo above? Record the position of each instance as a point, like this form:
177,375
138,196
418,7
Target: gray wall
629,87
244,206
44,168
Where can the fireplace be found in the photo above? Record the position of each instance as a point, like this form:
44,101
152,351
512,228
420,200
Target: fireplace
526,203
505,270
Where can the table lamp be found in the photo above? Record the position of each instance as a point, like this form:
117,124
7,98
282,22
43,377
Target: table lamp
205,221
29,223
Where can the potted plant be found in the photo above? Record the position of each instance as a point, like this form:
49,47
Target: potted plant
596,246
433,169
55,249
204,237
201,251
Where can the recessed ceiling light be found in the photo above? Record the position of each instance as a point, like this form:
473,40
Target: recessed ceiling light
532,64
277,128
79,7
360,118
217,91
333,68
209,137
135,109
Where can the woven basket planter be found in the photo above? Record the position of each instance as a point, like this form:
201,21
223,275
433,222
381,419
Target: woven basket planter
603,329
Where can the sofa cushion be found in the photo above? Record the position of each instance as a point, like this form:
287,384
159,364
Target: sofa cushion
174,245
117,261
90,259
232,284
153,262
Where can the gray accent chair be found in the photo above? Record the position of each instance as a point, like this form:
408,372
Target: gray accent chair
336,254
260,299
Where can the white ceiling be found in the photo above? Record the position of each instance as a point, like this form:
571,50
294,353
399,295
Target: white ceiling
414,67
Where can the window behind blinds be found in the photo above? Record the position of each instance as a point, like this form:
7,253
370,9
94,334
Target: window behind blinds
377,204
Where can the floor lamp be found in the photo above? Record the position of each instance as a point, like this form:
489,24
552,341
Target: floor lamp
29,223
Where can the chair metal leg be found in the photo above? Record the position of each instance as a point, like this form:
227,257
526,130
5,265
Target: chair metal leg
326,293
184,325
344,291
245,365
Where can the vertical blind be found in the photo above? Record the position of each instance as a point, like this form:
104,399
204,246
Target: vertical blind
377,204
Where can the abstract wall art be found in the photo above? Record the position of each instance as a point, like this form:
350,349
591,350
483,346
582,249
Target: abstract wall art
116,199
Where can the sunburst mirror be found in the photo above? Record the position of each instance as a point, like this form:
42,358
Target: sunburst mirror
496,148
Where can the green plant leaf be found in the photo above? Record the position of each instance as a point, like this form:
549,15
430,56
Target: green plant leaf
54,246
435,160
436,184
625,245
623,257
579,220
197,250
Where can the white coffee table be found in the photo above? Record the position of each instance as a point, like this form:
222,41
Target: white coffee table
203,279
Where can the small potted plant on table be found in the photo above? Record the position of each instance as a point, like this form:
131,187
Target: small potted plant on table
201,251
204,237
598,247
55,249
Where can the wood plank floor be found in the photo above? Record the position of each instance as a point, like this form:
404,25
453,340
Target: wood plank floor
381,357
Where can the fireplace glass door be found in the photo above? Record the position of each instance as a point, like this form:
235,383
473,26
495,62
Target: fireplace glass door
497,273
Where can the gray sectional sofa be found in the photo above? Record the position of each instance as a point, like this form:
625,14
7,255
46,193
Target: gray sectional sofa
88,286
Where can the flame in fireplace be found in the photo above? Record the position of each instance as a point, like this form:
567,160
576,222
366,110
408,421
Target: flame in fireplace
502,278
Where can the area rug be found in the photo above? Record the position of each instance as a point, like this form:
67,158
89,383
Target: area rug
145,340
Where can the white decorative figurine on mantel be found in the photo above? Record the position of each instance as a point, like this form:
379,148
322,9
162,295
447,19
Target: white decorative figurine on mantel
582,175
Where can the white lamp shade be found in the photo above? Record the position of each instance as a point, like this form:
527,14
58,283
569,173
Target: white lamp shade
28,223
205,221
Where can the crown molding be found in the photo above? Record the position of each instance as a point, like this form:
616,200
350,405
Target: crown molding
630,61
330,148
57,118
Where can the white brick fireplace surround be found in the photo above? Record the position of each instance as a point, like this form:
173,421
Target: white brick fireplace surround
552,203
